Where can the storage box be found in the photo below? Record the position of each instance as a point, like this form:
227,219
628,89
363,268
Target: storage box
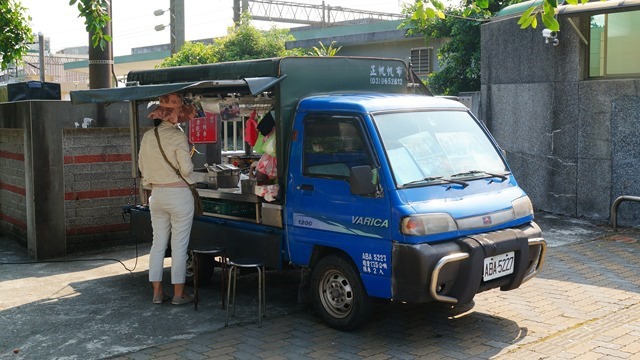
272,214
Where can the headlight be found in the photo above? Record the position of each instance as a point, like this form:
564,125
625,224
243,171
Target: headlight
522,207
428,224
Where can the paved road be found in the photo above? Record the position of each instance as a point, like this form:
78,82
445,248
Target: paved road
584,305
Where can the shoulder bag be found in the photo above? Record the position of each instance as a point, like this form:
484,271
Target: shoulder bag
196,197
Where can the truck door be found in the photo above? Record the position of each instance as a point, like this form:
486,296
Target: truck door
321,209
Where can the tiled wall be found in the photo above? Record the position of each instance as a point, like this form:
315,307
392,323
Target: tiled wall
97,183
13,217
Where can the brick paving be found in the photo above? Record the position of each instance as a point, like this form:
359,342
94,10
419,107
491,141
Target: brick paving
584,305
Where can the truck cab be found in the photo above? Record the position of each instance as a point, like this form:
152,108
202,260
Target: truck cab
443,219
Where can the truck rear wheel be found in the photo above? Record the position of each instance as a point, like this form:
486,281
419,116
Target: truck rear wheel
339,296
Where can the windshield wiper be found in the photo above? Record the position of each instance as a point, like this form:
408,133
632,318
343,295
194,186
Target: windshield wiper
439,178
473,172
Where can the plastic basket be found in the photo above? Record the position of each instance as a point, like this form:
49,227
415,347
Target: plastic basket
228,208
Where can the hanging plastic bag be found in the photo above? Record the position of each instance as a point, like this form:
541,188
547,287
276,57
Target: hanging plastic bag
251,130
268,165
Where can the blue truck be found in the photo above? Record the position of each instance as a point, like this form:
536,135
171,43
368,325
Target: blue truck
384,191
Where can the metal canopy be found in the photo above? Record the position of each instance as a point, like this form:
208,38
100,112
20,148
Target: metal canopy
591,7
600,7
253,86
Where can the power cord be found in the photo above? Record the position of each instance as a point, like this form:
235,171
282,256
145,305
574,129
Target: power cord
125,210
75,260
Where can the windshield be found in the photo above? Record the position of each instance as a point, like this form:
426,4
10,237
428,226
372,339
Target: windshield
435,146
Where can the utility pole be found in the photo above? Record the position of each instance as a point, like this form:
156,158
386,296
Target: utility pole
239,6
41,56
176,24
101,60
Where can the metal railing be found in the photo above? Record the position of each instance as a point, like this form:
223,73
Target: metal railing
614,207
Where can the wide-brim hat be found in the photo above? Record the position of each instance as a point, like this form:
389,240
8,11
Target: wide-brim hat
172,109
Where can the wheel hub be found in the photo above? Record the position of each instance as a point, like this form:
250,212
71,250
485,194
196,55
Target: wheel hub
337,295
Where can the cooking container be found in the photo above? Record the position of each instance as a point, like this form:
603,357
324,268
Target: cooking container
222,176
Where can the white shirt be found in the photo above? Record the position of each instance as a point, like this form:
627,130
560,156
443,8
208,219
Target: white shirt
154,168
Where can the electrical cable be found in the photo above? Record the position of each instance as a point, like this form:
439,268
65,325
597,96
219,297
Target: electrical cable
126,210
75,260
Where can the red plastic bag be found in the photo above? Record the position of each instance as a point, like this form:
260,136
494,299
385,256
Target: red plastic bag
251,130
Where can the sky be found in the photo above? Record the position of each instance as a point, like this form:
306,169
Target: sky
133,21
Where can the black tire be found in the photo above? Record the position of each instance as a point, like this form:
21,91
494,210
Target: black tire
338,295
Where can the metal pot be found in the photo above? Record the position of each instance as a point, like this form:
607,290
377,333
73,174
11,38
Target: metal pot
222,176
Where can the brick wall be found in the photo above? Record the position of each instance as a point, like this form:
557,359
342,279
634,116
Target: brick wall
13,216
97,183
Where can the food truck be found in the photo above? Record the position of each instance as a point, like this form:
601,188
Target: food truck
379,190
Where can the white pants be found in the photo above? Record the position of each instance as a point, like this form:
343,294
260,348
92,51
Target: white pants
171,217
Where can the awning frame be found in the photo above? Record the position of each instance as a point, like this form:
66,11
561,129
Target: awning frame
253,86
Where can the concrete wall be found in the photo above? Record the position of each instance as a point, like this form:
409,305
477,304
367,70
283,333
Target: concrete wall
376,39
571,141
41,124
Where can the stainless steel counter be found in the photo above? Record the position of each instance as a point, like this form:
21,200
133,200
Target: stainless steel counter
234,194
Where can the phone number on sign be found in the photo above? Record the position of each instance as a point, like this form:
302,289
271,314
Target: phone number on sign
385,81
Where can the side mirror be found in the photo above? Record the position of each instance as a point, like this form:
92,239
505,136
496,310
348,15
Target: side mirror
362,180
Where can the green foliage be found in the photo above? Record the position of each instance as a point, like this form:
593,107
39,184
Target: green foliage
96,18
424,10
324,50
16,33
243,42
459,57
191,54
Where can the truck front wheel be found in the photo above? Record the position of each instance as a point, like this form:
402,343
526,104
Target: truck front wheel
339,296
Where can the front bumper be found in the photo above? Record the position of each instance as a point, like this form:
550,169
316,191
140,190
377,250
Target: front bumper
452,271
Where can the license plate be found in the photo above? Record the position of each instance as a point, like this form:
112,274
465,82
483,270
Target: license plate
498,266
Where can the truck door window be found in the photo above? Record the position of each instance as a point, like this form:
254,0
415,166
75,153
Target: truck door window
332,145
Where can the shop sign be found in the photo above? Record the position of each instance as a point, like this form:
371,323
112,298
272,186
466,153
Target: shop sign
203,130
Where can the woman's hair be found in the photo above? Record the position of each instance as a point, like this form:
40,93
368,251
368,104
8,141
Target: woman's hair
157,122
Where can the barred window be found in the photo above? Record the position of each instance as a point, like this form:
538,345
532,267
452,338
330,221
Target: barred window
421,60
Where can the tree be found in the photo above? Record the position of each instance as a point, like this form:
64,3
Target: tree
246,42
243,42
459,57
96,18
191,54
16,33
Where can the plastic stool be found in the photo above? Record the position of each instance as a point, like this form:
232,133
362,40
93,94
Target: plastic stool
214,252
231,288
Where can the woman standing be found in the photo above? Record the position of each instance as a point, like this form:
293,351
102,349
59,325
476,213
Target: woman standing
171,202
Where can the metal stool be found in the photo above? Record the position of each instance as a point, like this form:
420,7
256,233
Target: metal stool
231,288
214,252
